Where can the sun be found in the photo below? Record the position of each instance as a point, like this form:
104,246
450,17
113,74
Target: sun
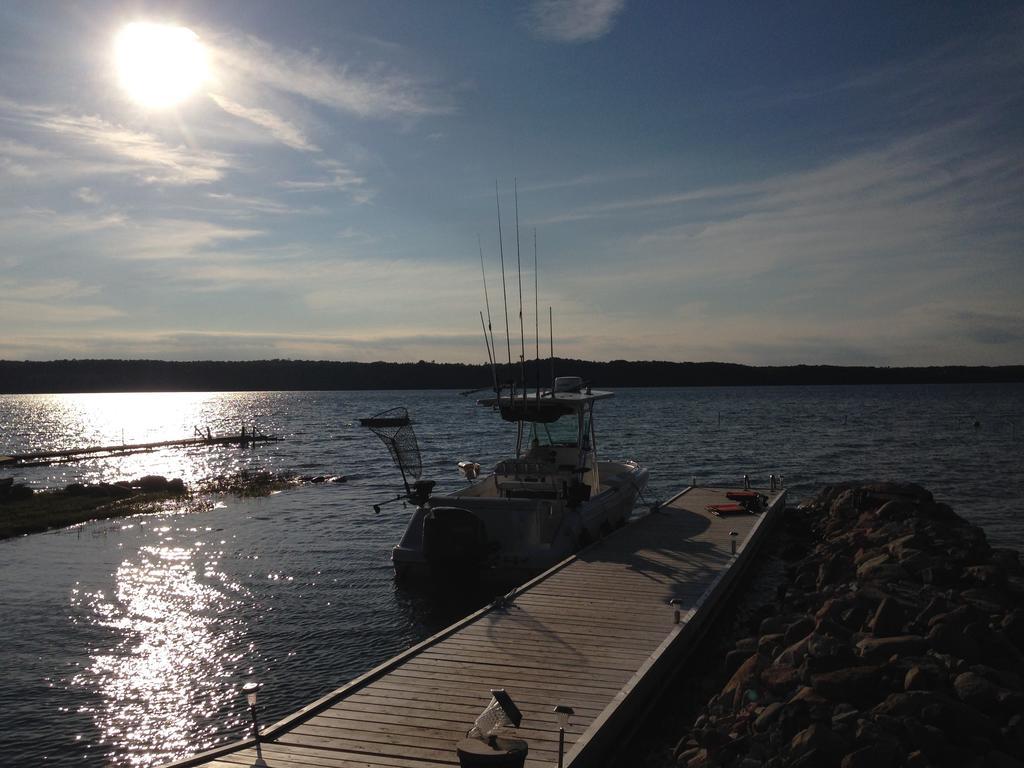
159,65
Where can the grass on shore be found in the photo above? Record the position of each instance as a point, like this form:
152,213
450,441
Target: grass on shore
46,510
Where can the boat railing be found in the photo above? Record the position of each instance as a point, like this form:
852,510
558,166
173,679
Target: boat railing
524,469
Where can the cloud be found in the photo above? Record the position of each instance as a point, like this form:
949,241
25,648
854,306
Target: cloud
88,195
281,129
18,159
194,345
176,238
573,21
18,149
40,225
90,145
936,199
117,236
903,252
147,156
251,205
49,302
991,329
339,178
316,78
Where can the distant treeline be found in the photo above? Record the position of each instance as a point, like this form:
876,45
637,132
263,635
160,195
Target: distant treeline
263,375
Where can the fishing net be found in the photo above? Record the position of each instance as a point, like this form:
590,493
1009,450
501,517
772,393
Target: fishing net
394,429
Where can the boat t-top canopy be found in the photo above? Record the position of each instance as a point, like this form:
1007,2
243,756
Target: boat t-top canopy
545,407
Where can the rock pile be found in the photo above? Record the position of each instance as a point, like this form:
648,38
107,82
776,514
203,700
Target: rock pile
12,491
897,640
124,489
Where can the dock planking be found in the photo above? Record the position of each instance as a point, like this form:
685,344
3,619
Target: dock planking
595,632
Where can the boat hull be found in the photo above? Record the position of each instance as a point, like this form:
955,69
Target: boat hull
468,536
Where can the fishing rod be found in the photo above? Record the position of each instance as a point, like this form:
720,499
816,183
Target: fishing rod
551,331
519,261
487,301
504,292
536,314
490,358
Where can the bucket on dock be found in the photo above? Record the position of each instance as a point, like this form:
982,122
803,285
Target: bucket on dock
497,752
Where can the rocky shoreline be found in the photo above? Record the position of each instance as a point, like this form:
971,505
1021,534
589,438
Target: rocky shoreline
896,639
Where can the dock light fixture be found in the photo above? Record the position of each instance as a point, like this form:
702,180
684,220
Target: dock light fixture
250,690
732,540
564,712
771,481
746,482
675,602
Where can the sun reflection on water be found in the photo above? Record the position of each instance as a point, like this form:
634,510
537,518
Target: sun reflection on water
67,421
180,643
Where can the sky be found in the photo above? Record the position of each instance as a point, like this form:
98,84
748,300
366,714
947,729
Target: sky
771,184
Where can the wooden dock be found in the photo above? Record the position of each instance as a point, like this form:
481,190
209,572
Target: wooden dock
55,456
596,632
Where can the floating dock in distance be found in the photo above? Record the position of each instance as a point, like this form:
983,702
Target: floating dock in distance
600,632
45,458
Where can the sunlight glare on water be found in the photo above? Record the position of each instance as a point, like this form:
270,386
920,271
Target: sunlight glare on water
164,679
67,421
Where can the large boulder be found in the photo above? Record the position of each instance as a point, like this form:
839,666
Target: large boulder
152,484
857,685
975,690
818,738
882,648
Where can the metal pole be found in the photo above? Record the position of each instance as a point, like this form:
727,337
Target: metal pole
561,746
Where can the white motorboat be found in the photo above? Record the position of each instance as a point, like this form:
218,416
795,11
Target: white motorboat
553,497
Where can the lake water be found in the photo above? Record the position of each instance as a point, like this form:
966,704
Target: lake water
126,642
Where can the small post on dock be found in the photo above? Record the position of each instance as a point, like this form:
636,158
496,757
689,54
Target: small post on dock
564,712
675,602
732,540
746,482
250,689
771,481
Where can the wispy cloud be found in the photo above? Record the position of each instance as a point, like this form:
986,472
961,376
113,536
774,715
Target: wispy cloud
88,195
81,145
313,76
151,159
117,236
50,302
339,177
284,131
42,225
895,253
573,21
192,345
991,328
252,205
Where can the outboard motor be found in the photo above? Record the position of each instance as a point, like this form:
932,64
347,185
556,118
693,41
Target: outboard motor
454,540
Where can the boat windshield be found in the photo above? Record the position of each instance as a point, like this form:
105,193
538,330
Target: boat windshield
562,432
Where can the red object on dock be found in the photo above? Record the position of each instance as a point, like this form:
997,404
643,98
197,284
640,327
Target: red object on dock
726,509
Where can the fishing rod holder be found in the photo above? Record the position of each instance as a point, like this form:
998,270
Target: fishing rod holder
421,490
376,507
